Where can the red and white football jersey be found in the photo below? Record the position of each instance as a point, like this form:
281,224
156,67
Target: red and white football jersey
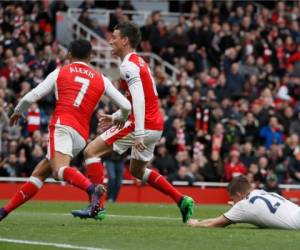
78,90
135,72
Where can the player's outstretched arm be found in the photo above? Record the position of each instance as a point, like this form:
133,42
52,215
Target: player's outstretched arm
43,89
14,118
220,221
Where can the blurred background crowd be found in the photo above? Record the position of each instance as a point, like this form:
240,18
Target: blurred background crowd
234,108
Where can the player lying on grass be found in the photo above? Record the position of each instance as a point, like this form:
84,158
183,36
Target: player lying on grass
78,89
254,206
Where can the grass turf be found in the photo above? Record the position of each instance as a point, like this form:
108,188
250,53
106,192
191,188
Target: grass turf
134,226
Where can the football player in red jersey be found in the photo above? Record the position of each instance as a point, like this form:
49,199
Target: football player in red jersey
145,126
78,89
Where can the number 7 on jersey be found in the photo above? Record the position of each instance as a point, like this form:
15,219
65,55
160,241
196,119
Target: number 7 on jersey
85,85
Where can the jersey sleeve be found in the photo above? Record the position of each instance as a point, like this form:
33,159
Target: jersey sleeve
43,89
131,74
118,99
237,213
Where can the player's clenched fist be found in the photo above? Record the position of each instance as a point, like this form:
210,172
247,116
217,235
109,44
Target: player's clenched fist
14,118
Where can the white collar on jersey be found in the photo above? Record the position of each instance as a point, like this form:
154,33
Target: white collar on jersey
128,55
79,62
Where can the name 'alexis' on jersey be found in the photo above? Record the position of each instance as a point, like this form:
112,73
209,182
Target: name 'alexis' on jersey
81,70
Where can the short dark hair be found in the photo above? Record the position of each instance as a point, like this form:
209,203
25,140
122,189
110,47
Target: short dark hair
239,184
80,49
130,30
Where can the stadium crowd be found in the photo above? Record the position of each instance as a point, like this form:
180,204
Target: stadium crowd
233,110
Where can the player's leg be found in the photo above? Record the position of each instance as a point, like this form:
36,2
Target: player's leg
65,143
138,169
100,146
29,189
95,172
153,178
92,155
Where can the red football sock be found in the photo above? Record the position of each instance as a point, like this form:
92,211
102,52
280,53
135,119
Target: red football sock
95,172
160,183
26,192
74,177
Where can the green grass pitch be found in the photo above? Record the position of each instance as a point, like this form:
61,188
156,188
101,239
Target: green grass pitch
131,226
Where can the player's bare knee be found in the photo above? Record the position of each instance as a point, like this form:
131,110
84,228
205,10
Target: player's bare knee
89,152
39,176
55,174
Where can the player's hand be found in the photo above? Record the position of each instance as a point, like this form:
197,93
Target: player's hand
139,144
14,118
192,222
119,124
105,121
230,203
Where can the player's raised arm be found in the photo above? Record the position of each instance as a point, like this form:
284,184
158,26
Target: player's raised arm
43,89
131,73
220,221
124,105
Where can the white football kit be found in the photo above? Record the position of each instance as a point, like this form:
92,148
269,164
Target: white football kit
264,209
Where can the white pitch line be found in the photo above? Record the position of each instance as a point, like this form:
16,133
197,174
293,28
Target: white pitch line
142,217
49,244
108,215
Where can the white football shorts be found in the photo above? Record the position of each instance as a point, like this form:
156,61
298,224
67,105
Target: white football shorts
123,138
64,139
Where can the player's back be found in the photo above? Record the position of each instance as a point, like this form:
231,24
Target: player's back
134,64
271,210
78,90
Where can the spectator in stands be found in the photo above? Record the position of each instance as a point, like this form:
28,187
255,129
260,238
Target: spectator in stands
247,156
183,174
164,162
179,41
251,126
116,18
3,121
233,130
234,167
87,4
11,165
114,167
272,184
158,37
213,170
294,165
254,174
295,124
3,170
272,134
85,19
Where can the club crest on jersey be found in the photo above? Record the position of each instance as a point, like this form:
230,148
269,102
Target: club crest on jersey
127,75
